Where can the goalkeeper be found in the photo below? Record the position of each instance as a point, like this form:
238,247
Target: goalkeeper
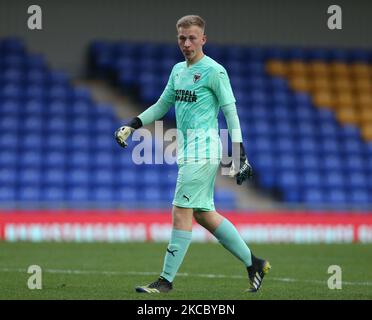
198,87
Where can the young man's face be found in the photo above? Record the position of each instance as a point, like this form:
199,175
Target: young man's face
191,41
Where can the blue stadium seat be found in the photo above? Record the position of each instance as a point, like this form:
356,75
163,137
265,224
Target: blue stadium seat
292,195
268,180
102,177
289,179
357,180
319,54
285,144
55,124
57,108
330,146
9,125
78,177
224,199
264,161
327,129
8,176
8,158
334,179
307,145
286,161
360,55
32,124
280,98
56,141
307,132
331,162
310,161
312,179
340,55
278,84
127,195
313,197
102,159
7,194
30,177
35,61
352,146
79,159
151,195
167,194
55,159
77,194
31,158
127,178
336,197
36,76
55,177
102,194
32,141
53,194
10,108
28,194
349,132
354,163
277,53
80,142
360,197
151,178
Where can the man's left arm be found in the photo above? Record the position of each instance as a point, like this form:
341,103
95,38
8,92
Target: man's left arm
220,85
240,167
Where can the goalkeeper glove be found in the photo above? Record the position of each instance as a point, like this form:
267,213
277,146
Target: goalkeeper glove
122,134
240,167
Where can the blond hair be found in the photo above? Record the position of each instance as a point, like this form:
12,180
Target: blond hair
191,20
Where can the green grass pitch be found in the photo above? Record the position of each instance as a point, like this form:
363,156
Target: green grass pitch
112,270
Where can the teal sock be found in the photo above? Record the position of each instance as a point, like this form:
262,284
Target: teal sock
177,248
230,238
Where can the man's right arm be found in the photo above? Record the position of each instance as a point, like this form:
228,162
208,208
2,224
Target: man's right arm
155,112
151,114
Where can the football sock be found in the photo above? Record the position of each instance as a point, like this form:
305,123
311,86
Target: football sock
230,238
177,248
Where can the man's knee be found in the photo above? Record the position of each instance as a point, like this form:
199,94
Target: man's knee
199,217
208,219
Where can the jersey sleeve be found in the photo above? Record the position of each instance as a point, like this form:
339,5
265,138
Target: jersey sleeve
220,85
162,106
168,95
232,120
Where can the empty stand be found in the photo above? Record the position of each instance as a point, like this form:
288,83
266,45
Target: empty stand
305,113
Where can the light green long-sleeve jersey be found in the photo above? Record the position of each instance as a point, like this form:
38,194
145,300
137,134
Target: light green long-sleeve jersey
198,92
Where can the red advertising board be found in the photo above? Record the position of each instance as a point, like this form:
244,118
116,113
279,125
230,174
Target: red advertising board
122,226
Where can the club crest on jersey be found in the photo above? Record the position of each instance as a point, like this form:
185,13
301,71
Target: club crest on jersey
197,77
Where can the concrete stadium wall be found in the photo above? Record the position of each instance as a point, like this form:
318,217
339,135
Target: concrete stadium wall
68,26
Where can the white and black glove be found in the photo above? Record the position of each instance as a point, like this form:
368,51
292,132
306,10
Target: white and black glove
240,167
123,133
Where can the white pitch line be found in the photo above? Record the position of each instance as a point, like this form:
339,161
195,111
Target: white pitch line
200,275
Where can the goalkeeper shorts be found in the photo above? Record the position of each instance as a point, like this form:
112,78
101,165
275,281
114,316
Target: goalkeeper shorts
195,185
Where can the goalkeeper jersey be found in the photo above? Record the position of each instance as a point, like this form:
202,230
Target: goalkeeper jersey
198,92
